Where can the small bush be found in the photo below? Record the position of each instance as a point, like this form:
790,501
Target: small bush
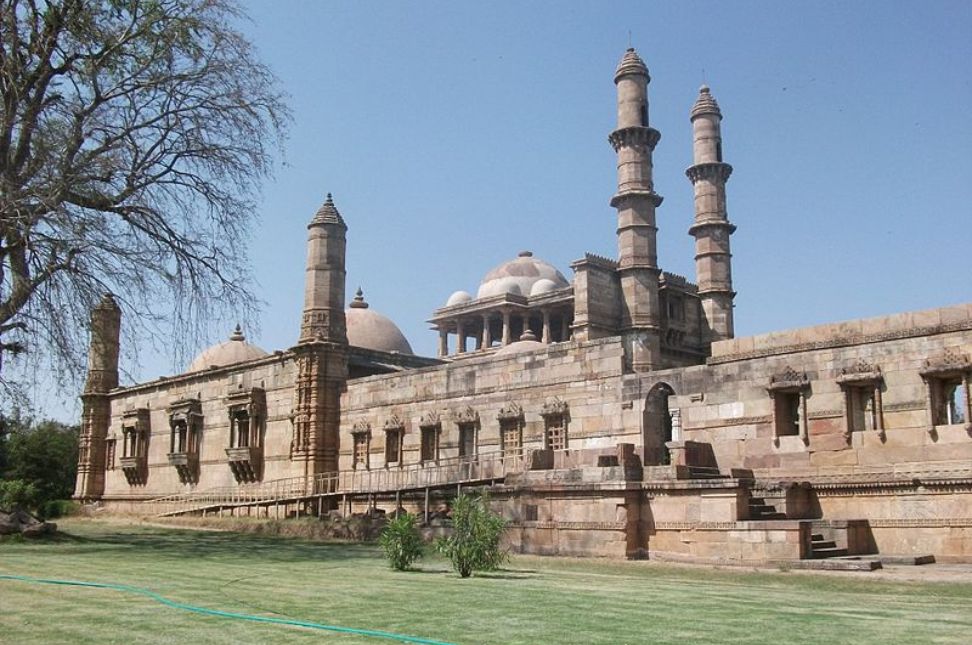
475,541
401,542
58,508
17,493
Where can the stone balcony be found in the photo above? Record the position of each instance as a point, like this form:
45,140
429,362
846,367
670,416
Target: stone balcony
186,464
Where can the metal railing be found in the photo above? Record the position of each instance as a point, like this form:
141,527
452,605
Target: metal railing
453,471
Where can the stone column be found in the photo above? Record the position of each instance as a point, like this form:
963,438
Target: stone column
443,342
564,328
460,338
487,339
506,328
546,327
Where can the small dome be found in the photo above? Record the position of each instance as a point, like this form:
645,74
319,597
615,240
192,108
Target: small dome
519,275
458,298
527,343
235,350
543,286
369,329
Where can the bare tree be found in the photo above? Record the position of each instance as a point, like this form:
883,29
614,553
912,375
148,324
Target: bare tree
134,135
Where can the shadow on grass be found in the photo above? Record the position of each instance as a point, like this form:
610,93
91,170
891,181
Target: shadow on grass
181,543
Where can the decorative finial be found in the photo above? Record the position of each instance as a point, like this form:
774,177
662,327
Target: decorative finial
238,334
359,301
705,103
528,335
525,254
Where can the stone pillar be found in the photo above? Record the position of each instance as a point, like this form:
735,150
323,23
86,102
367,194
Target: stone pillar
546,327
96,405
487,338
636,201
506,328
321,354
711,229
443,342
460,338
564,328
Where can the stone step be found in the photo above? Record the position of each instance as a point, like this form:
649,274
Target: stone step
819,554
817,536
836,565
818,545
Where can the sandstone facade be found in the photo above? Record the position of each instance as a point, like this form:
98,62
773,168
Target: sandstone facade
611,414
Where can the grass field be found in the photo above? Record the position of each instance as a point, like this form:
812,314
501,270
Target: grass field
532,601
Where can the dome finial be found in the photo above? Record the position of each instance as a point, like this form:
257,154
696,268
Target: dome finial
359,301
238,334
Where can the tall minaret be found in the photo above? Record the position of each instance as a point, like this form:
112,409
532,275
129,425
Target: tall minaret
713,260
635,201
96,406
321,352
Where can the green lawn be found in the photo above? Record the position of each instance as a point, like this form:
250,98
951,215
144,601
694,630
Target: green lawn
535,600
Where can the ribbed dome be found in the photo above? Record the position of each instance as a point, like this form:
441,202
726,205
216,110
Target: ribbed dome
368,329
235,350
705,104
519,275
631,63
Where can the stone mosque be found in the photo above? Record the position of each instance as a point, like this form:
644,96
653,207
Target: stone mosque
612,413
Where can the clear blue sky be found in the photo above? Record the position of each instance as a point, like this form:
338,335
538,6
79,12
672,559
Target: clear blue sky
454,134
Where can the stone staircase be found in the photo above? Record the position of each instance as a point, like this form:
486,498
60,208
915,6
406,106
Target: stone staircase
761,511
822,547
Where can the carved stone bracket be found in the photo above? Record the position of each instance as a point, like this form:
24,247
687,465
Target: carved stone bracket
361,427
635,135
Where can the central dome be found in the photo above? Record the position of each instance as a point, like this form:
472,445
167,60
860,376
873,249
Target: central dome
370,330
235,350
519,275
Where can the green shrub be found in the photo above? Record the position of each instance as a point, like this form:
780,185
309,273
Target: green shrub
475,541
58,508
18,493
401,542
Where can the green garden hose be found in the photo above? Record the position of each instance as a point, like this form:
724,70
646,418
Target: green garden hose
228,614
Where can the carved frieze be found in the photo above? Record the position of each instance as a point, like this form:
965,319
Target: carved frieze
788,380
510,412
554,407
430,419
860,373
466,415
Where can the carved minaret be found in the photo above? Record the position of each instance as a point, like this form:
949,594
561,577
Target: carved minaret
713,264
321,353
96,406
636,201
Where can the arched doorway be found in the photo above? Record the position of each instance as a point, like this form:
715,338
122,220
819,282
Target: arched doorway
657,425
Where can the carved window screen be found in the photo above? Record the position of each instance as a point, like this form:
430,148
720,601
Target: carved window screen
511,432
393,446
467,440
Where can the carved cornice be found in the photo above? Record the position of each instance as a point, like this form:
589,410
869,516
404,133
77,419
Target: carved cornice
789,379
710,224
710,171
951,361
636,135
185,410
361,427
860,373
510,411
554,407
137,418
430,419
465,415
394,422
254,400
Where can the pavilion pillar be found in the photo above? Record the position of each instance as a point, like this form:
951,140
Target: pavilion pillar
487,340
506,328
546,328
460,338
443,342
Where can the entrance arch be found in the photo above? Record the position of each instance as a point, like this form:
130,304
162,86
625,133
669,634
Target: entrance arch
657,425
